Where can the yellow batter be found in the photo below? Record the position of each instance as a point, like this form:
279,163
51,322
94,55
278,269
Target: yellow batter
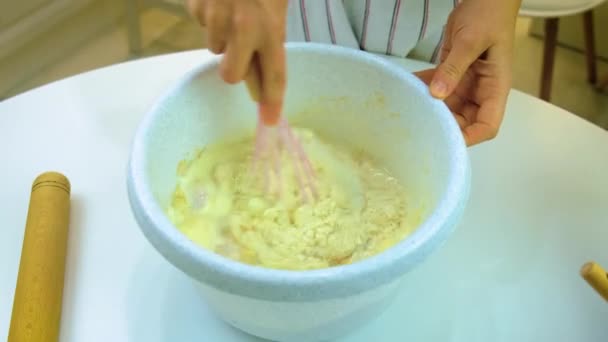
220,204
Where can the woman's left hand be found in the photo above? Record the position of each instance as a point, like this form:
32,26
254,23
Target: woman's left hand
474,73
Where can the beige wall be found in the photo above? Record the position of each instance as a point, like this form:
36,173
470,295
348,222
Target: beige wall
41,32
22,21
571,30
12,11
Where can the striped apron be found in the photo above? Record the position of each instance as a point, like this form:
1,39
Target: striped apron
402,28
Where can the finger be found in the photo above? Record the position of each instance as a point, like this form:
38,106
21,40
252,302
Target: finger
237,59
446,41
426,75
455,103
492,108
217,21
195,10
470,111
273,65
479,132
487,123
236,62
464,51
461,120
253,79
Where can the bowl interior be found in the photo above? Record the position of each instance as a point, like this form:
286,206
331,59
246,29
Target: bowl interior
346,96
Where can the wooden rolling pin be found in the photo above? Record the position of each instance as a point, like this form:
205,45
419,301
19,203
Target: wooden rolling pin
39,292
596,277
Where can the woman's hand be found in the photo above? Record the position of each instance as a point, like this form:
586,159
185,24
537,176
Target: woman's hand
474,75
250,34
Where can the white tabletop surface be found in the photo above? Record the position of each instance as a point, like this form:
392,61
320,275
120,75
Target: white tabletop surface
538,211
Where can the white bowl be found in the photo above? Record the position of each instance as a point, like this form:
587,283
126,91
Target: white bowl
351,96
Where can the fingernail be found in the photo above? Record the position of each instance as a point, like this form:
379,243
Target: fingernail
439,89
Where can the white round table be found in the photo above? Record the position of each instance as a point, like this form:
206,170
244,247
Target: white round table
538,211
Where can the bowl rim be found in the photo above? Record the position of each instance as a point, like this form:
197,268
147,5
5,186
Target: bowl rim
280,285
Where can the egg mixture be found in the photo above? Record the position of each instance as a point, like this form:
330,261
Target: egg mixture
221,204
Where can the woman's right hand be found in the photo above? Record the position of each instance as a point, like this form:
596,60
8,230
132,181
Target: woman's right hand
251,35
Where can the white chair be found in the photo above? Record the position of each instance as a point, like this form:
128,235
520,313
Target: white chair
551,11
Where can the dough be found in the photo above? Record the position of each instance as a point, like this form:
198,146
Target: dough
221,204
